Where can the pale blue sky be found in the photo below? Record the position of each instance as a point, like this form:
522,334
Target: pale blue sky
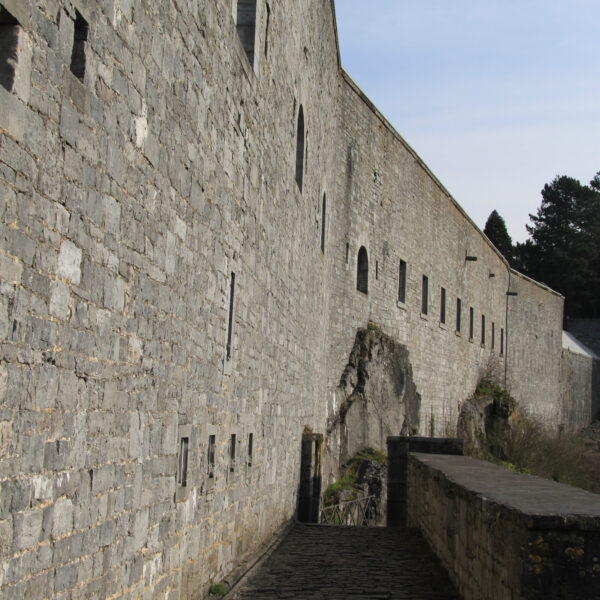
496,96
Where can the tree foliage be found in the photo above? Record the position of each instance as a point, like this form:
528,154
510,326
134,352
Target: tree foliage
495,229
564,246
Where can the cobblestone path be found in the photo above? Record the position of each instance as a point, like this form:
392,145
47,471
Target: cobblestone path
321,562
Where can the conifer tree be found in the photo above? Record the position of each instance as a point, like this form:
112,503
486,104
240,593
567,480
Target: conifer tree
495,229
564,249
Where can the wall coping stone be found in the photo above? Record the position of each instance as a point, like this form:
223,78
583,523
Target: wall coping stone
540,503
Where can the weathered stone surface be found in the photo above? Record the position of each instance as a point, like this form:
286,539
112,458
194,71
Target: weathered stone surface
378,398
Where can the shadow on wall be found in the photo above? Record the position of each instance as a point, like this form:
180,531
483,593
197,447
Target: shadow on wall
596,390
378,398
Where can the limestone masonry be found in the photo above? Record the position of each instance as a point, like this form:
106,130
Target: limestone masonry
199,210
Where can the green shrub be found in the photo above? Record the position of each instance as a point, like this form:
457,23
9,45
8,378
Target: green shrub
218,589
344,486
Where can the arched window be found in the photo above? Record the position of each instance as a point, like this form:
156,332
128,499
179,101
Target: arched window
323,214
300,149
362,271
246,25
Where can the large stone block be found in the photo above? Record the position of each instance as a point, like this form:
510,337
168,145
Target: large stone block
69,262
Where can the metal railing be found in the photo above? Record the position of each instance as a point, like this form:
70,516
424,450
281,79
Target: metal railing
360,512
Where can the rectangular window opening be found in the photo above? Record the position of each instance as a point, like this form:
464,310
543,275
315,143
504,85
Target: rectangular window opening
230,317
250,448
9,45
471,322
443,305
376,269
424,294
267,30
80,37
246,25
232,452
501,340
347,252
458,314
483,330
183,461
402,281
211,456
493,335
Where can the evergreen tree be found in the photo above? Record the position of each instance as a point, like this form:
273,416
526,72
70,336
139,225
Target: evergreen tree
495,229
564,249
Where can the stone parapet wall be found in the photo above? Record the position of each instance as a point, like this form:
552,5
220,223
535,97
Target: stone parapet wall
502,535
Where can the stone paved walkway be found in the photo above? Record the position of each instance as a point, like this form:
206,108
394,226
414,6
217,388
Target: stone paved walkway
350,563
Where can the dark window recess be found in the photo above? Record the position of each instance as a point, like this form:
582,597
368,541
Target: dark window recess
300,149
323,223
246,26
376,269
232,452
443,305
501,340
9,45
347,252
250,448
230,317
402,281
79,41
362,271
458,314
183,461
211,456
424,294
493,335
482,329
267,30
471,322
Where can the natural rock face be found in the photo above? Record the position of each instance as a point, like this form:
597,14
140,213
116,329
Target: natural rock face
485,419
364,479
378,398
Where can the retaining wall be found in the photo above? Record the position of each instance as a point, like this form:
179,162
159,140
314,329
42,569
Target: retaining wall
503,535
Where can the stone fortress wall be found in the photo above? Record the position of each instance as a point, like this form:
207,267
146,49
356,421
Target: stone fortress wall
173,313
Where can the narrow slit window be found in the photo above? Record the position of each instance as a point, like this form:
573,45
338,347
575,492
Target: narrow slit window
232,441
230,316
493,335
471,322
443,305
402,281
362,271
483,330
9,46
211,456
458,314
183,461
300,149
424,294
250,448
323,223
246,26
267,30
501,340
376,269
347,252
80,38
